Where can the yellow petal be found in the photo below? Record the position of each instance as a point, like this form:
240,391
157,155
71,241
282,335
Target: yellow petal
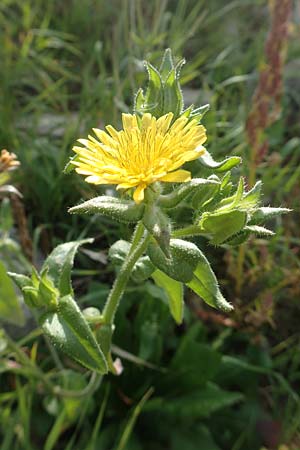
125,186
105,138
147,121
94,179
138,195
163,123
129,121
112,131
180,176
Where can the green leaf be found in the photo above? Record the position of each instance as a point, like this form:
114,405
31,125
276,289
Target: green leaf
139,102
225,180
185,189
189,439
228,163
173,98
35,296
10,308
181,263
187,112
205,284
118,252
206,193
47,295
20,280
198,113
197,405
174,291
234,201
167,64
142,269
190,373
69,167
154,93
32,298
261,231
247,231
251,198
158,224
150,340
223,225
59,265
115,208
266,213
70,333
239,238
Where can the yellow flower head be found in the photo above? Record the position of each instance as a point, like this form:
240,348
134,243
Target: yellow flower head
140,154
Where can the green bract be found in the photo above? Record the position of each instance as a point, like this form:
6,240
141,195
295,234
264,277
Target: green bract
232,218
181,193
164,94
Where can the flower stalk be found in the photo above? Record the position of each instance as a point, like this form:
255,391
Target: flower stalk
139,244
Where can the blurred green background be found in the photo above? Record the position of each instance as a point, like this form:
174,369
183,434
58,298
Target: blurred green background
215,382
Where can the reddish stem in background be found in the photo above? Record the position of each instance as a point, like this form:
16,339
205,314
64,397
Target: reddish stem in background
266,104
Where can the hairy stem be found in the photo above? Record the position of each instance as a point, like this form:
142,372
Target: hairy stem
138,246
191,230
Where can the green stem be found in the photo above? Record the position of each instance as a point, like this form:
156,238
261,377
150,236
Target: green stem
192,230
138,246
92,386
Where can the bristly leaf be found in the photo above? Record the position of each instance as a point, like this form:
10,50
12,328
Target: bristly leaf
139,102
198,113
205,284
69,167
154,93
223,225
184,190
174,291
59,265
181,263
260,231
266,213
69,332
20,280
251,198
234,201
115,208
173,98
167,64
142,269
228,163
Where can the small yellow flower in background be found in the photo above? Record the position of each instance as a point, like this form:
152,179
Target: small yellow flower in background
140,154
8,161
